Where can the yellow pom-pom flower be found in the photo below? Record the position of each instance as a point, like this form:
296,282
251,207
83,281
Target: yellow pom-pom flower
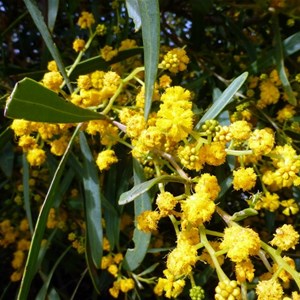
244,179
147,221
86,20
78,45
165,202
269,289
175,60
285,237
240,130
261,141
240,243
208,184
197,209
36,157
105,159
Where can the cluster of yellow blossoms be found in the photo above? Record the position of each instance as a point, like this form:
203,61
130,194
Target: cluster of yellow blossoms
167,143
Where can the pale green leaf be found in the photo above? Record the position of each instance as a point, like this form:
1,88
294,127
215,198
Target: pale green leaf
33,254
143,187
224,99
39,21
150,16
134,256
92,195
134,13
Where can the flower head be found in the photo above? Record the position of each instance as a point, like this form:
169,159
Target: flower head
78,45
239,248
285,237
147,221
198,208
105,159
86,20
269,289
175,60
244,179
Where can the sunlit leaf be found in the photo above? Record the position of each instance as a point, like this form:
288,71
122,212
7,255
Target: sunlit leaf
150,16
33,102
134,13
43,29
290,46
53,6
143,187
224,99
26,192
93,210
134,256
33,254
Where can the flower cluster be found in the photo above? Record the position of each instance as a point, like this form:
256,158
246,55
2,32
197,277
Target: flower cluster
193,161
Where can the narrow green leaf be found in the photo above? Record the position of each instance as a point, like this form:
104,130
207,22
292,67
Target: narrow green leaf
7,156
93,210
26,192
134,256
143,187
112,220
98,63
134,13
150,16
150,269
33,102
32,258
280,62
43,292
93,271
53,6
88,66
290,45
43,29
225,98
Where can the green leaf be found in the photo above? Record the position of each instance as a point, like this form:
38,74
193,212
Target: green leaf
134,13
26,192
280,62
134,256
7,156
88,66
43,29
93,210
98,63
53,6
32,258
149,10
43,292
290,46
33,102
93,271
143,187
224,99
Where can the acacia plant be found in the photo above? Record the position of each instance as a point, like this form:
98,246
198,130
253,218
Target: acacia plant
151,151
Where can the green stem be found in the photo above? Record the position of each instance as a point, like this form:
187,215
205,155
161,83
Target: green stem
281,262
112,99
133,73
175,224
214,233
238,152
79,56
221,275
